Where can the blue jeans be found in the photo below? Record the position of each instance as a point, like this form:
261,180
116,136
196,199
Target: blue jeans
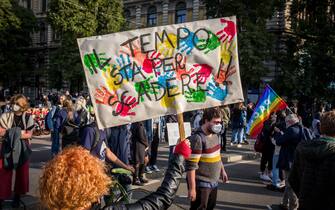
237,136
275,171
55,142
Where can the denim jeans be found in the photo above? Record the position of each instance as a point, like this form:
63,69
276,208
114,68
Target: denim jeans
237,136
55,142
275,171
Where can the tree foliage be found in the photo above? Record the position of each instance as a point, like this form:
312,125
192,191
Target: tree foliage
255,43
75,19
16,24
309,62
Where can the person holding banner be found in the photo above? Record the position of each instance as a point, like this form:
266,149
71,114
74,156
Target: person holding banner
60,189
205,167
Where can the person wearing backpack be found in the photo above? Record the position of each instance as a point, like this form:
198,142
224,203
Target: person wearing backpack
66,124
288,141
313,170
204,168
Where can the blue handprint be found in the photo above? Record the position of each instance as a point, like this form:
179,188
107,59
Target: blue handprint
162,78
216,92
187,44
125,66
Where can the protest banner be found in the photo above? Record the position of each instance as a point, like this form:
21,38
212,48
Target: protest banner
146,73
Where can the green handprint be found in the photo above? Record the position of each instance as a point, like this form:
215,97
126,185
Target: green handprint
143,87
96,61
195,96
212,44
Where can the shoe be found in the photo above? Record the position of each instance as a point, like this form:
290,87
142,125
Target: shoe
265,177
239,145
245,142
144,180
231,144
283,207
16,201
275,188
155,168
148,170
137,182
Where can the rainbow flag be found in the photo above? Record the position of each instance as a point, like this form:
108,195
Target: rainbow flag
269,102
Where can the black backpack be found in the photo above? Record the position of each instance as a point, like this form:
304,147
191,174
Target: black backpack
70,133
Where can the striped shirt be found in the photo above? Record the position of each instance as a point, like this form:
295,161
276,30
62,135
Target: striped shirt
205,157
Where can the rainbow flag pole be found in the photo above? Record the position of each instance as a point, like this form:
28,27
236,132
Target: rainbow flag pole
269,102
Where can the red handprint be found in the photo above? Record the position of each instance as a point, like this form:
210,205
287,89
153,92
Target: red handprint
228,32
150,62
128,103
135,52
224,73
203,74
103,96
180,67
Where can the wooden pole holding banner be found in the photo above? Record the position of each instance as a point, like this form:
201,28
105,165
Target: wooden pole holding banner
181,126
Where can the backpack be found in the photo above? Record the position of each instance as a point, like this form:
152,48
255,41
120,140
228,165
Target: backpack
49,119
70,133
259,144
306,134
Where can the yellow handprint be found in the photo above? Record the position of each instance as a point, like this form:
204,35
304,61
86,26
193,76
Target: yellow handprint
165,48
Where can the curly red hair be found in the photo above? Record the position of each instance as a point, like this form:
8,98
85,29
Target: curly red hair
73,179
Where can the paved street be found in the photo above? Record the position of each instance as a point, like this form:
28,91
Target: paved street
244,191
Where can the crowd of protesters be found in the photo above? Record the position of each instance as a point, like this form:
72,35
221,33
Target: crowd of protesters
134,147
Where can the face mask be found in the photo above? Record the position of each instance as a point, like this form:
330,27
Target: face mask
16,108
216,128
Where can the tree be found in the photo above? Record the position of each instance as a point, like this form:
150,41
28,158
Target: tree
74,19
308,66
16,24
255,42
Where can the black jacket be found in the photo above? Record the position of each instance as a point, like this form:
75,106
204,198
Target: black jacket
313,175
164,195
288,142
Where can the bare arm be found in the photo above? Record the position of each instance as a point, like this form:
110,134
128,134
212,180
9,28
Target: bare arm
191,184
2,132
112,157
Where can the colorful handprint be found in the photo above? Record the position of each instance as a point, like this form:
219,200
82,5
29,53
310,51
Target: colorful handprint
94,61
128,103
125,66
103,96
151,62
202,74
228,32
213,42
165,48
187,44
197,96
216,92
225,73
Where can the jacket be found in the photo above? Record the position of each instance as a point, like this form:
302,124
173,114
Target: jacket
237,119
118,142
164,195
312,174
288,142
14,150
225,116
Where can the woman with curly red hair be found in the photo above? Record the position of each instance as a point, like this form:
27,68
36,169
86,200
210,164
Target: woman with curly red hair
75,179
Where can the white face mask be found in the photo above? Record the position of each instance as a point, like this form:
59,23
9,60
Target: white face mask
16,108
216,128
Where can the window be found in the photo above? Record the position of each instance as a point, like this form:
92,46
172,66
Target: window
152,16
44,5
56,36
180,12
43,33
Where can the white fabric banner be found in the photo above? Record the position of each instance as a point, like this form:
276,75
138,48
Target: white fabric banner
146,73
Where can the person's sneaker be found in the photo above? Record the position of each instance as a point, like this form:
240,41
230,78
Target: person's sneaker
265,177
138,182
148,170
239,145
155,168
245,142
144,180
